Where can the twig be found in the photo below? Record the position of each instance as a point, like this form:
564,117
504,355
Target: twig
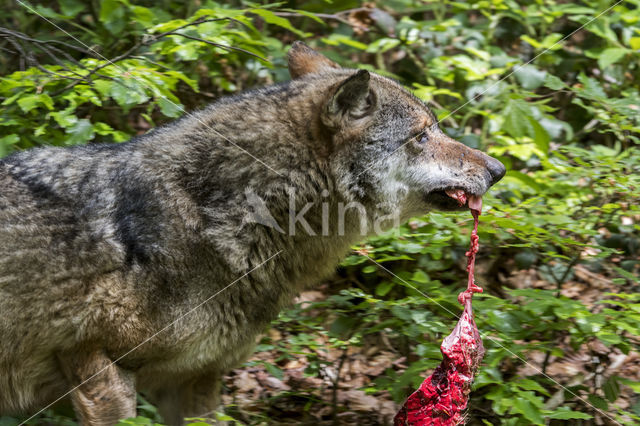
545,362
337,17
25,37
31,60
336,381
200,20
153,39
222,46
146,40
12,36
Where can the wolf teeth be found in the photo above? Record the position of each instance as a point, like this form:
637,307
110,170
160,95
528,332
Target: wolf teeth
457,194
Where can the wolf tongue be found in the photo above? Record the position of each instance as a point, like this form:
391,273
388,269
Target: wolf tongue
475,203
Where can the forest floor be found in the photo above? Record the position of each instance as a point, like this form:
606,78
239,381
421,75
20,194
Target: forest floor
257,397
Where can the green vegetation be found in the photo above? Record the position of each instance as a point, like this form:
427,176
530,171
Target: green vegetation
560,235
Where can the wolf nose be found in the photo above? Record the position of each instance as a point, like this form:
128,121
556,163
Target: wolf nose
496,169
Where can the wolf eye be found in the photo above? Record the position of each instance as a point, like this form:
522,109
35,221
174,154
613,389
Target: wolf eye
422,137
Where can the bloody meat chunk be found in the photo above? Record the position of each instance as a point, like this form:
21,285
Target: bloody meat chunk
442,397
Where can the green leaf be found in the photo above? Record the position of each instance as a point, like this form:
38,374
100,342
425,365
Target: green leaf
519,122
611,56
342,327
609,338
548,43
143,15
554,83
193,84
128,94
383,44
104,129
482,54
566,414
274,370
29,102
337,39
611,389
103,87
369,269
305,13
9,139
420,276
172,25
140,420
573,9
6,142
601,27
272,18
598,402
64,118
540,135
112,14
528,384
530,77
592,89
384,287
71,8
47,12
528,410
557,128
81,132
170,108
426,93
635,386
224,417
9,421
516,115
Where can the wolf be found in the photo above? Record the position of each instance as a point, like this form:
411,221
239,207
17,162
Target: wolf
137,266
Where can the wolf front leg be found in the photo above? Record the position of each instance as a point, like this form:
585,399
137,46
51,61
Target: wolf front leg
197,397
104,393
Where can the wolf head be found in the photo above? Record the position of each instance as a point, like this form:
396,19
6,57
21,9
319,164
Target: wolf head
386,144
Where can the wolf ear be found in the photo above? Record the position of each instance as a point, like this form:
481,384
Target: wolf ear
353,97
304,60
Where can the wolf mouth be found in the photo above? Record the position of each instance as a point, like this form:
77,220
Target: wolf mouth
453,199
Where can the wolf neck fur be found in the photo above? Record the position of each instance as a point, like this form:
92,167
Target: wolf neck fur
302,169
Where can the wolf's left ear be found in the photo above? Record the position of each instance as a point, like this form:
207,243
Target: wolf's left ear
353,98
304,60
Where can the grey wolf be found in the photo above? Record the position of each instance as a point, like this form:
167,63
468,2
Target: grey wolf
103,245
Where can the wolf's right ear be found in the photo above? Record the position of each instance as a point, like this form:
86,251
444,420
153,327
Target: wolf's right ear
304,60
353,99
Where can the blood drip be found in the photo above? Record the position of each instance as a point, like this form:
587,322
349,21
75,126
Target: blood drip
471,263
442,397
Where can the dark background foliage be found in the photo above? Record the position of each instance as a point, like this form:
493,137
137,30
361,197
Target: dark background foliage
560,235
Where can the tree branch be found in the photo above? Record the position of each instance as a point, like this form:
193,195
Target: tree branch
222,46
13,37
